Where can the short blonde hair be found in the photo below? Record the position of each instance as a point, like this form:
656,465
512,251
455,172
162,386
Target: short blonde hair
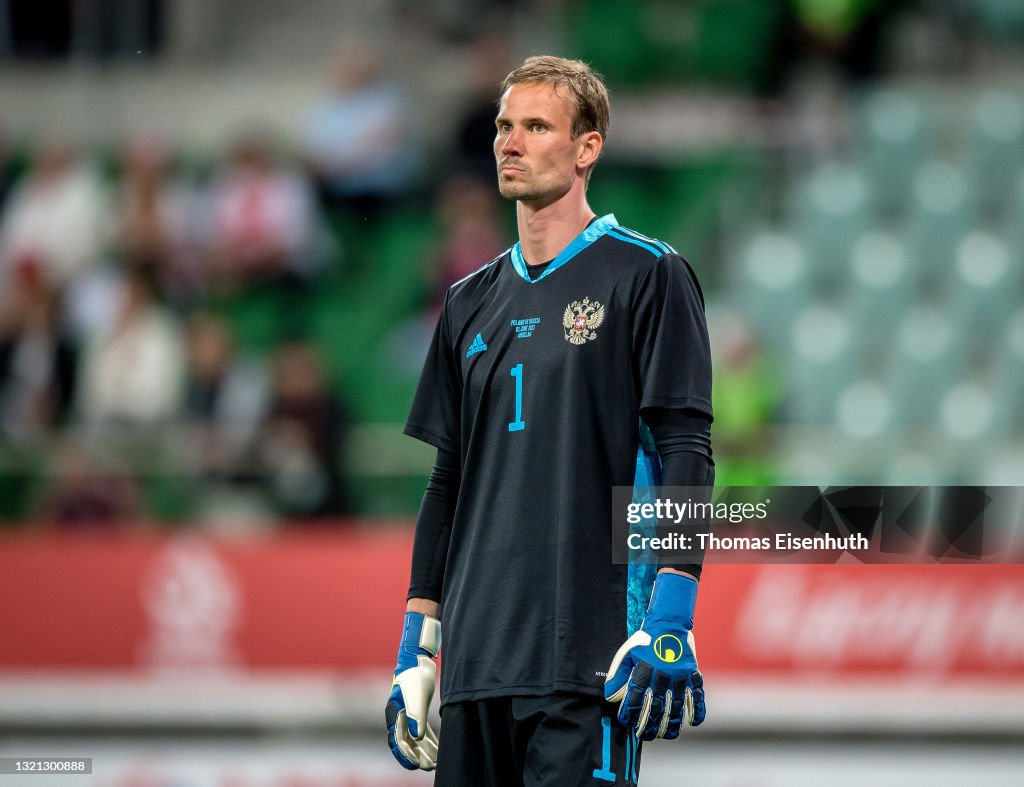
584,87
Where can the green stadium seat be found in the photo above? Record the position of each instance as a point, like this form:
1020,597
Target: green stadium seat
984,290
941,214
832,213
967,414
916,466
1009,375
820,363
878,290
613,34
636,196
353,324
996,147
1014,227
805,460
634,44
864,410
897,132
771,285
733,41
927,356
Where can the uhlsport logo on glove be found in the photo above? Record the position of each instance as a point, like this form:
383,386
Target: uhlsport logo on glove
668,648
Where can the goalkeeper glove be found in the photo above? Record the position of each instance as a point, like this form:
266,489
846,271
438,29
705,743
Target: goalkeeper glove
410,737
654,675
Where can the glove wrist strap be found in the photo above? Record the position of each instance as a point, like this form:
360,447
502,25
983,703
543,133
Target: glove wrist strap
421,633
674,597
430,635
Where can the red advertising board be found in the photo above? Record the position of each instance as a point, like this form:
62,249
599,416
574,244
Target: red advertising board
334,600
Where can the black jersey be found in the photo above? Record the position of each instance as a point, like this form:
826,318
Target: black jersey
538,386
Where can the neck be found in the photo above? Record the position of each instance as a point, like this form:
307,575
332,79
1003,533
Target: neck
545,230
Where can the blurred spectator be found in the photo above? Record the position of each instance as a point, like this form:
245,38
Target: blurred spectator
472,230
84,493
746,401
37,362
225,399
472,234
154,219
132,372
262,220
302,438
357,139
474,136
54,217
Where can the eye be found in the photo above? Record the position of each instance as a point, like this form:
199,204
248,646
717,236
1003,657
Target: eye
538,127
504,127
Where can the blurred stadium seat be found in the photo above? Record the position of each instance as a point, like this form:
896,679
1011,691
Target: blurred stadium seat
941,214
896,134
832,213
926,358
996,147
821,352
878,289
772,283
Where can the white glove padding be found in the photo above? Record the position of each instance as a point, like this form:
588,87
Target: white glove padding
412,739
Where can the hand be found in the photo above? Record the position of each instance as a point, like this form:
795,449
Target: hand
654,675
410,737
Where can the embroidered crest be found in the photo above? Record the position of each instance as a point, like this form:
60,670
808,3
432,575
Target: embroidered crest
581,320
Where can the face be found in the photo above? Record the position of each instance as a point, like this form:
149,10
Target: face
538,160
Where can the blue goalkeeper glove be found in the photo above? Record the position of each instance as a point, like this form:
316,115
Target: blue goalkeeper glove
654,675
410,737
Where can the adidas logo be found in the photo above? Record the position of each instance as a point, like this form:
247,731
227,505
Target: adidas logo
477,346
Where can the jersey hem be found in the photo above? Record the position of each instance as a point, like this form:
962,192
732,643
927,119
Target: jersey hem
430,438
472,695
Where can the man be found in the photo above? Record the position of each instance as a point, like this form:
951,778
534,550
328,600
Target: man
543,363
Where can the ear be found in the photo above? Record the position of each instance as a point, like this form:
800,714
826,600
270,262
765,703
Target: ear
590,145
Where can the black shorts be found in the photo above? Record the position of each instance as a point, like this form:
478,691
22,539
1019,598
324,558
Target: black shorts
559,740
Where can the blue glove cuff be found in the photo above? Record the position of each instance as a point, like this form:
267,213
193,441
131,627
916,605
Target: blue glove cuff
421,636
673,600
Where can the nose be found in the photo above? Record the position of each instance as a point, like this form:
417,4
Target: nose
512,145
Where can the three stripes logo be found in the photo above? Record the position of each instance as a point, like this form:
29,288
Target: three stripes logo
477,346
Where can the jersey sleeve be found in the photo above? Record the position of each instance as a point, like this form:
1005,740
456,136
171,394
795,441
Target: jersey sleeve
671,350
435,414
434,527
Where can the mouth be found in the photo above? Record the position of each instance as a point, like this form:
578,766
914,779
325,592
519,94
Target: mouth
510,168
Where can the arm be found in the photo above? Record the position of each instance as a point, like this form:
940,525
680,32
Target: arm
683,440
654,676
424,606
667,570
434,418
410,737
433,534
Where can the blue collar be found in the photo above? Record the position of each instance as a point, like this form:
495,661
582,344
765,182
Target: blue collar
594,231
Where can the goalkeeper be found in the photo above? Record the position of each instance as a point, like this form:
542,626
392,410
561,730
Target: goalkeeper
575,362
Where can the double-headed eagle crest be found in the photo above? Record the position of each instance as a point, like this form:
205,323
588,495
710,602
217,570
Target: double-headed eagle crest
580,320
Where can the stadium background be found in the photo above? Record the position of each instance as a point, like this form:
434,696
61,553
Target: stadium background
224,229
